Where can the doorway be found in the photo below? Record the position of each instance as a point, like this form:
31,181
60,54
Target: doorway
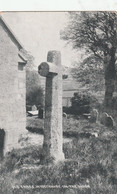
2,141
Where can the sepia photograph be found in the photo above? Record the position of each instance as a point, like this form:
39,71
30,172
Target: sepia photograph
58,102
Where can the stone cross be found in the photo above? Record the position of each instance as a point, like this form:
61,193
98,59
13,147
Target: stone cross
53,137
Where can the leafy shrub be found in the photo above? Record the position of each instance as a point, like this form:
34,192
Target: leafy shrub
82,102
35,96
34,92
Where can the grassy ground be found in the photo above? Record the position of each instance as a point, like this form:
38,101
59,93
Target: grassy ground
89,161
71,125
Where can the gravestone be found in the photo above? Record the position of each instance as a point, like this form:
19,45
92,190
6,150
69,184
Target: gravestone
64,115
53,134
103,118
94,116
109,121
40,113
34,108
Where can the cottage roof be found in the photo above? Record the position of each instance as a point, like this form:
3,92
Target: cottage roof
10,33
22,59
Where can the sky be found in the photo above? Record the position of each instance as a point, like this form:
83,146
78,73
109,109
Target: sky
39,32
81,5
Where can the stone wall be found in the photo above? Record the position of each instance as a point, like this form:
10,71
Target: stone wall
12,92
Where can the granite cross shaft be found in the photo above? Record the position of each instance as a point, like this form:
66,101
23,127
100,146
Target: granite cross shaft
53,133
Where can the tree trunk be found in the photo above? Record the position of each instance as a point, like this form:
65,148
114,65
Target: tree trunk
109,78
109,90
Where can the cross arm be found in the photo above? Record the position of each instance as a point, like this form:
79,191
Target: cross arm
46,68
